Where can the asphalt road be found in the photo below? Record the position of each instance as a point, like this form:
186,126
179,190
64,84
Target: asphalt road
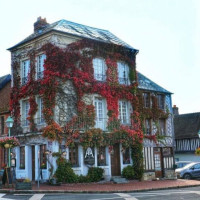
173,194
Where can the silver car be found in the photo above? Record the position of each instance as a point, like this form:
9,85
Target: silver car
189,171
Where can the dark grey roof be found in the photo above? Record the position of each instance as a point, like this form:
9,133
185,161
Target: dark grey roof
4,79
186,125
79,30
146,84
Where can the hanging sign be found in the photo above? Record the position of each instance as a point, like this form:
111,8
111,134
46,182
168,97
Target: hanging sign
89,158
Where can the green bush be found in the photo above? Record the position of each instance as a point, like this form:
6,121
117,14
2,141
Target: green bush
95,174
64,173
83,179
128,172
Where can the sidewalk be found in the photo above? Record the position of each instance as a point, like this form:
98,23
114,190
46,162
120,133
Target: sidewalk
132,186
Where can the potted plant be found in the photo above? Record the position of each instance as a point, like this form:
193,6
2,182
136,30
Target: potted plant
23,184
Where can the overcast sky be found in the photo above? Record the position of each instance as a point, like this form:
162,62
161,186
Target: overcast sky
166,32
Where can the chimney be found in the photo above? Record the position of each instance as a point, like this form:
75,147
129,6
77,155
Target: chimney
175,110
40,24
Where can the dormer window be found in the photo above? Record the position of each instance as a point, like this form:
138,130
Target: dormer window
40,66
123,73
25,71
161,101
99,69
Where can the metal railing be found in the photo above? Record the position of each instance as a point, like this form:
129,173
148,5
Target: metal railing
24,80
40,75
124,81
100,77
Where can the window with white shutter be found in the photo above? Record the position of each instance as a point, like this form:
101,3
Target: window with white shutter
99,69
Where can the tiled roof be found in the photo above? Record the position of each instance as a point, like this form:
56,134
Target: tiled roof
4,79
186,125
147,84
78,30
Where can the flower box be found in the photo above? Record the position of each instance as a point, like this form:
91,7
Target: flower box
23,185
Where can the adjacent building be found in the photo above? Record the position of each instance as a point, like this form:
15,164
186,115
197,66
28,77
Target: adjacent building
71,81
187,131
5,85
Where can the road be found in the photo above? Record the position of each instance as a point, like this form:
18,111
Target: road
173,194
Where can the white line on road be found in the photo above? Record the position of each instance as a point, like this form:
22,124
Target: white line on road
37,197
1,195
126,196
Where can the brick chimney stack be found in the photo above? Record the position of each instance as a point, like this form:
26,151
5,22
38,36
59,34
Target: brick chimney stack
40,24
175,110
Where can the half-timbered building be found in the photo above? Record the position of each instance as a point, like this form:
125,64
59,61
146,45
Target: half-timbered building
187,130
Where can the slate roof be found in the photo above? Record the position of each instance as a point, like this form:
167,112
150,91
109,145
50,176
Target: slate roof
78,30
4,80
145,83
187,125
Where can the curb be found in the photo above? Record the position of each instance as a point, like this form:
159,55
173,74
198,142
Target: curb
92,192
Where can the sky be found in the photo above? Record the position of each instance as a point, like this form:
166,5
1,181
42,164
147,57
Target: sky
166,33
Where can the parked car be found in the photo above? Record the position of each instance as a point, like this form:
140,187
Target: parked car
189,171
182,164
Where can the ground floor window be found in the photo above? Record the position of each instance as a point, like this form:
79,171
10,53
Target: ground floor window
126,156
101,156
43,159
73,155
22,158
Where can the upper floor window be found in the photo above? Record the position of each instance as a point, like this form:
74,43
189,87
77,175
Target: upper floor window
123,112
25,111
100,112
148,126
25,70
123,73
162,128
99,69
40,111
2,125
161,101
40,65
146,99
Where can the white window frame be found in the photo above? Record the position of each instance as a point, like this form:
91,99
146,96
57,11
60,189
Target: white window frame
124,113
25,111
148,126
40,113
25,69
99,66
162,130
123,73
100,113
40,66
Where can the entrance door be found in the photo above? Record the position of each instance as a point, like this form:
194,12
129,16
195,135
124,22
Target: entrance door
158,162
115,161
33,163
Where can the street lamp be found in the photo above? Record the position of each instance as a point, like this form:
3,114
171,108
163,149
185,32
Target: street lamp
9,124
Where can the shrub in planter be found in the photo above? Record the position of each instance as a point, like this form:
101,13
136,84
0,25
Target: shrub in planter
23,184
128,172
95,174
64,172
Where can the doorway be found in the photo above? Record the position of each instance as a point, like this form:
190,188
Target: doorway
33,162
115,161
158,162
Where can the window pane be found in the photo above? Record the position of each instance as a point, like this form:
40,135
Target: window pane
162,126
99,69
43,159
101,156
73,156
148,126
126,156
2,125
22,158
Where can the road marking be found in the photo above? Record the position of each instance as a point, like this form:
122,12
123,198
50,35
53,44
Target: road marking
37,197
1,195
126,196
